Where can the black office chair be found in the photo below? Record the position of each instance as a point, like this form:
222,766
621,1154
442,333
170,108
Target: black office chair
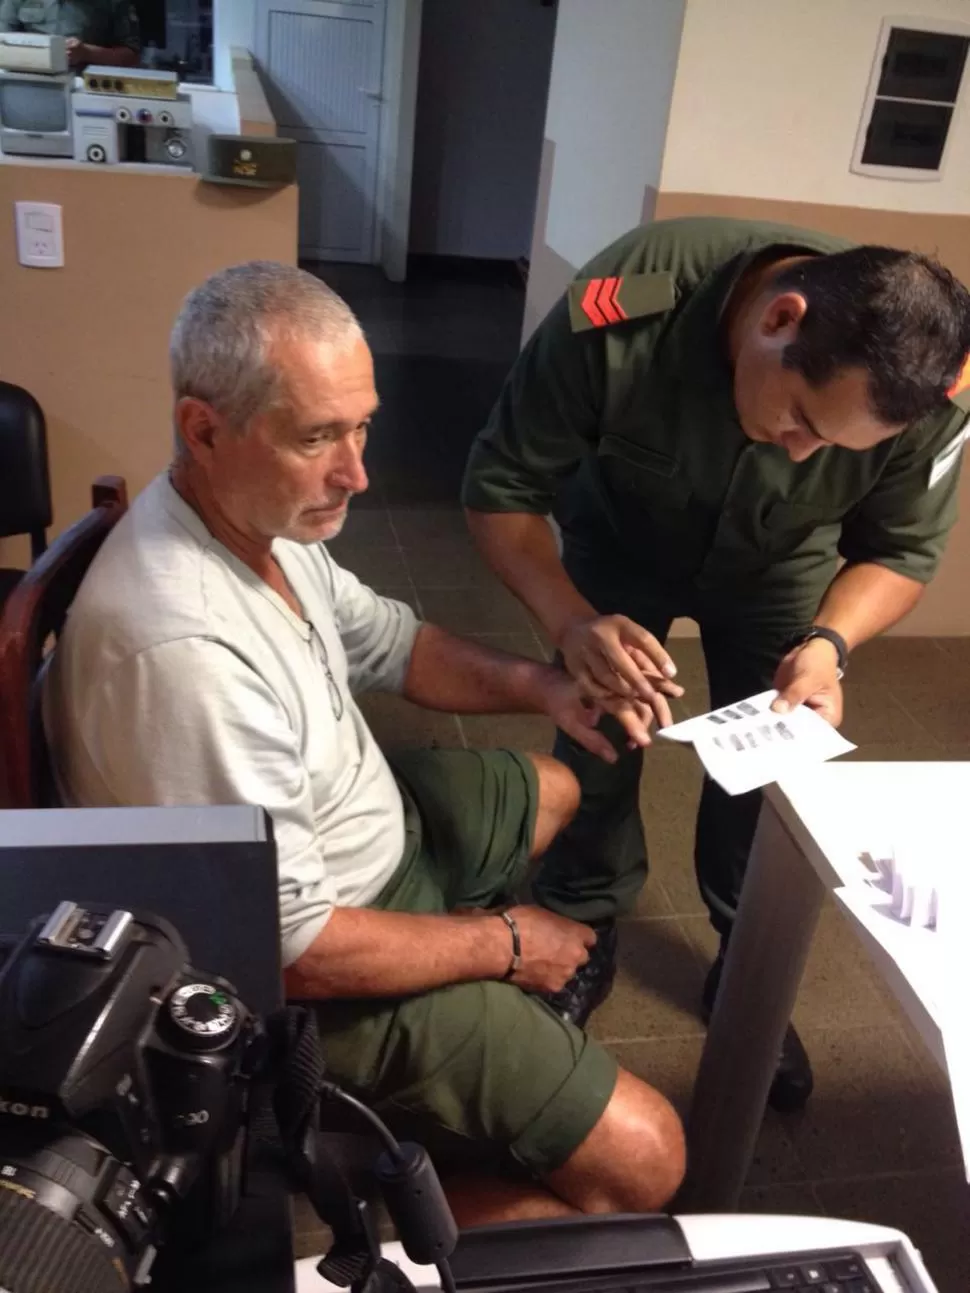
25,487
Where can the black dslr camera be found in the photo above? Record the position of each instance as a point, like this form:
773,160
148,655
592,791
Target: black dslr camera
127,1083
124,1087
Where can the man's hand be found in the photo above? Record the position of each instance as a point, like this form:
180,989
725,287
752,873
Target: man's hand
77,51
809,676
553,948
578,717
612,656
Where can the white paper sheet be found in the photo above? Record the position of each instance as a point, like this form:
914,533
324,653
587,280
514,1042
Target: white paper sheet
745,745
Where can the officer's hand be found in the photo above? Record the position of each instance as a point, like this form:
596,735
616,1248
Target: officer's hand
553,948
612,657
809,676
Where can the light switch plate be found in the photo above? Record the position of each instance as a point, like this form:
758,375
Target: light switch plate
40,235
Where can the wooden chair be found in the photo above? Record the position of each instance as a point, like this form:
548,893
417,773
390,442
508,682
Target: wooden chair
34,612
25,487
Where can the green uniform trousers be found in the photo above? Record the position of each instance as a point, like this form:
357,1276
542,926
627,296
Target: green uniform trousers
480,1073
596,868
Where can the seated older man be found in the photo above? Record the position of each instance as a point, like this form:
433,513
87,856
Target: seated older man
212,656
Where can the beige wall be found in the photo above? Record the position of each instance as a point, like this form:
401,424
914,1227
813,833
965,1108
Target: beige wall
89,341
769,96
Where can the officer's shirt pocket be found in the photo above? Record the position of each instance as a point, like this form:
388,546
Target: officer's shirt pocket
645,473
788,525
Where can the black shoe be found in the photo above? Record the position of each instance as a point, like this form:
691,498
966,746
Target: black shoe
793,1081
591,984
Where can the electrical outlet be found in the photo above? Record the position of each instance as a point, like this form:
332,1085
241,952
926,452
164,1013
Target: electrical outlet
40,236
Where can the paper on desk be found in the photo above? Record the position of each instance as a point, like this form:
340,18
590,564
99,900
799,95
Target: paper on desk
745,745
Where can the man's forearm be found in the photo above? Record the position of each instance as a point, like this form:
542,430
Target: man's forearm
365,953
109,55
866,599
521,548
458,676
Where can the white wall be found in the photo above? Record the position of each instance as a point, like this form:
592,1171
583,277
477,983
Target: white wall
769,96
613,71
482,81
235,24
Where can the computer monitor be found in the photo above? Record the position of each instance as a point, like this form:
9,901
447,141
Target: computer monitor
35,114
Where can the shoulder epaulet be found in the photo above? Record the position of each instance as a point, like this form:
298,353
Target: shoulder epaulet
599,302
959,392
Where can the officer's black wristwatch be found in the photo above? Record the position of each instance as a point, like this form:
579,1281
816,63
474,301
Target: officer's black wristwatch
828,635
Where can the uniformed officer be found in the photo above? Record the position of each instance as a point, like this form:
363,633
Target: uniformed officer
103,32
715,413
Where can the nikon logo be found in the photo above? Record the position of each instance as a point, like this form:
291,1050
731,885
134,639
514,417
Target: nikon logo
20,1110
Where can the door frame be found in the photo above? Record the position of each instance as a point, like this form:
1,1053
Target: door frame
395,145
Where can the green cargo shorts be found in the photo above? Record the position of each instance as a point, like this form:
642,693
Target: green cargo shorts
480,1072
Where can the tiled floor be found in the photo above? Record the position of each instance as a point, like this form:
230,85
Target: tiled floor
877,1140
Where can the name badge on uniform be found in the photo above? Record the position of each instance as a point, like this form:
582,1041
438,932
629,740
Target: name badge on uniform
949,456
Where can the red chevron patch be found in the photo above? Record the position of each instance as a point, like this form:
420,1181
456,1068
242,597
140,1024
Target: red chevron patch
600,303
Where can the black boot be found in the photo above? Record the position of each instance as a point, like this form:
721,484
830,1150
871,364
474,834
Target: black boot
793,1081
591,984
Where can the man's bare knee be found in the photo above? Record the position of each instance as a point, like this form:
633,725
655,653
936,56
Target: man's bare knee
559,795
634,1158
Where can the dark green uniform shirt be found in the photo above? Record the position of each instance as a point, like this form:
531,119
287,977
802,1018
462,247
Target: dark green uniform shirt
629,431
96,22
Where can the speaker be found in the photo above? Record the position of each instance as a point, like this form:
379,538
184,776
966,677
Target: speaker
258,161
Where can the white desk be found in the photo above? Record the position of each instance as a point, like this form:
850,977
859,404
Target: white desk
810,834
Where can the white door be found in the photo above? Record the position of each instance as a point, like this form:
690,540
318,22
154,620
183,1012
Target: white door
322,64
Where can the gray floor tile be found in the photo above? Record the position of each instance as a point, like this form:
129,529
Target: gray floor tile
875,1108
691,673
873,715
670,1065
943,711
796,1200
932,1208
378,566
412,525
397,724
653,901
840,985
402,593
364,525
451,563
839,988
657,989
524,644
896,661
489,609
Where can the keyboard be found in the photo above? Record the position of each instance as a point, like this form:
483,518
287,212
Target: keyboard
822,1272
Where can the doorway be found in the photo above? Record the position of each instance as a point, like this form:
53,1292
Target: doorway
323,67
419,123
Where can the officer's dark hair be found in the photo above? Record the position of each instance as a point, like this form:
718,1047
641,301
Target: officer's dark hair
899,315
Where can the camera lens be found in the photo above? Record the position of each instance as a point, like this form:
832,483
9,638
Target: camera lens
72,1219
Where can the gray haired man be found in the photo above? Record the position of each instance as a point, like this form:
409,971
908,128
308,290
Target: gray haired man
213,655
